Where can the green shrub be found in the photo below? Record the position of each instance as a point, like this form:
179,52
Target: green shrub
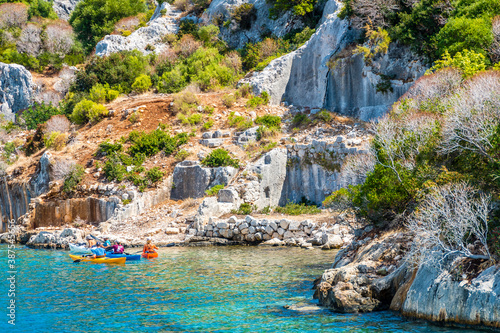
142,83
149,144
303,36
214,191
108,148
264,132
181,155
297,209
114,169
88,111
38,114
220,158
154,175
74,177
119,70
324,116
239,122
340,199
208,124
461,34
185,102
35,142
468,62
269,121
300,119
228,100
244,209
55,140
256,101
100,93
299,7
93,19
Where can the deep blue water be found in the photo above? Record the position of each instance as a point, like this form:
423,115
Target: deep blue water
216,289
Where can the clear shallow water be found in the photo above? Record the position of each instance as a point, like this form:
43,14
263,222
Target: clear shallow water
216,289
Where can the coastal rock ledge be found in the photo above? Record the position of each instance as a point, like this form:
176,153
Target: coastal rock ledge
371,274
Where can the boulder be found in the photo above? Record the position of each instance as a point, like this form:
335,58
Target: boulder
273,242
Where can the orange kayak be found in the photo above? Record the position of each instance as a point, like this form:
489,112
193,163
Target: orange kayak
149,255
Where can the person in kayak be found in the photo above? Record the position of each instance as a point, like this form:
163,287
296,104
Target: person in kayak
107,244
118,248
149,247
91,242
98,251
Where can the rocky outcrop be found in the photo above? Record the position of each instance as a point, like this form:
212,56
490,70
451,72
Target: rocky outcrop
16,89
363,274
371,274
252,28
300,77
307,77
147,39
366,91
56,239
447,297
191,180
64,8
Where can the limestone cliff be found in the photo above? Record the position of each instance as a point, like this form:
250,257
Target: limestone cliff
251,30
64,8
16,89
307,78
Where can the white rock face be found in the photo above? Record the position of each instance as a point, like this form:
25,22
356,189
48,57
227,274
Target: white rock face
303,73
237,37
64,8
437,296
16,89
302,77
146,39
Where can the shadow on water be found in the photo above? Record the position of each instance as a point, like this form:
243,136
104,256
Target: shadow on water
215,289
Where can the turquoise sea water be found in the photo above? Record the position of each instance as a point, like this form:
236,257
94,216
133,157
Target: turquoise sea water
216,289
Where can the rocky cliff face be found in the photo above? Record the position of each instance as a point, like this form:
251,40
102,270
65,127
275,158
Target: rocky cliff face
146,39
64,8
237,34
304,77
16,89
366,91
370,274
449,297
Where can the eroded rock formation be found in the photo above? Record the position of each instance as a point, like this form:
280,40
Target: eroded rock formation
16,89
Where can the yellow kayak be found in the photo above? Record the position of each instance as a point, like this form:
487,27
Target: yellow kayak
99,260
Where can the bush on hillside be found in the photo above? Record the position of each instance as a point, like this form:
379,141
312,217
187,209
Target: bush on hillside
142,84
88,111
220,158
74,177
150,144
119,70
38,114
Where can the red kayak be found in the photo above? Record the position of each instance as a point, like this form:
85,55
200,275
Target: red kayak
149,255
